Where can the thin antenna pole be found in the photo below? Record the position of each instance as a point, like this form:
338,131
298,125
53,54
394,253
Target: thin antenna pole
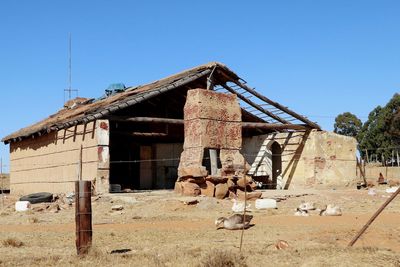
69,68
69,90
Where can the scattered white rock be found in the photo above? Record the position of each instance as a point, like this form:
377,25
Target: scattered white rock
238,206
265,203
372,192
331,210
392,189
300,212
307,206
281,244
22,205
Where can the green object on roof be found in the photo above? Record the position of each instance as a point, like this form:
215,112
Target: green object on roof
115,88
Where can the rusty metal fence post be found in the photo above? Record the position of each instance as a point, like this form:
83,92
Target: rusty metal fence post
83,216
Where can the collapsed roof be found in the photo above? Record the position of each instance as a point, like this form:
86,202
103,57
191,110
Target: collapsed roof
215,76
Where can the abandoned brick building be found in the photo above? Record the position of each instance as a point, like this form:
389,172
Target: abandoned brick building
200,122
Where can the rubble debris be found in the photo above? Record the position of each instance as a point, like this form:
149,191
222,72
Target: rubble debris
217,186
300,212
251,185
331,210
70,198
392,189
221,190
54,207
22,206
40,207
117,207
216,179
207,189
281,244
265,203
307,206
178,187
191,202
238,206
190,189
371,192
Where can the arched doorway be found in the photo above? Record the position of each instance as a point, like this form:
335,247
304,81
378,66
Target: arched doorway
276,152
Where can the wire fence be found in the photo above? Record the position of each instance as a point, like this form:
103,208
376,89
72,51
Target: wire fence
287,157
175,159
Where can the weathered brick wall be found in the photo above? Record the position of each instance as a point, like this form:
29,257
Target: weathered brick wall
325,159
50,162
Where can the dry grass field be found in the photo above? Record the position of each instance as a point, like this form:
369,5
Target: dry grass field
158,229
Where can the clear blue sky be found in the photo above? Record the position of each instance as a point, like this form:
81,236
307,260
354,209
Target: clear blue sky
320,58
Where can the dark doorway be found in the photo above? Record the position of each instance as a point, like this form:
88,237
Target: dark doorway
276,151
208,160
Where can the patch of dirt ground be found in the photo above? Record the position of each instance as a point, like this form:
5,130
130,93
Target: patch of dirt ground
158,229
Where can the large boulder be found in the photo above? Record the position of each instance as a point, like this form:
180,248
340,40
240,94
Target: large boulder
249,195
221,191
217,179
248,181
190,189
207,189
178,187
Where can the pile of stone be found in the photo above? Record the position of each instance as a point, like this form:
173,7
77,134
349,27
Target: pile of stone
217,186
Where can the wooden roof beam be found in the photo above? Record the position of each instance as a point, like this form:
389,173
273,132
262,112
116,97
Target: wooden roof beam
277,105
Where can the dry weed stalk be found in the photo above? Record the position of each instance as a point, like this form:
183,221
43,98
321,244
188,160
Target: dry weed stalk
12,242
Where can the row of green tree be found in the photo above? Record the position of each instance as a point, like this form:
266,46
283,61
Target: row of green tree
379,135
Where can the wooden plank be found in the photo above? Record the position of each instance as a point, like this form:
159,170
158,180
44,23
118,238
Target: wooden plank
249,125
145,119
274,126
251,103
213,161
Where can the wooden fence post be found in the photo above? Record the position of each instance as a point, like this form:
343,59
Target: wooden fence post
83,216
